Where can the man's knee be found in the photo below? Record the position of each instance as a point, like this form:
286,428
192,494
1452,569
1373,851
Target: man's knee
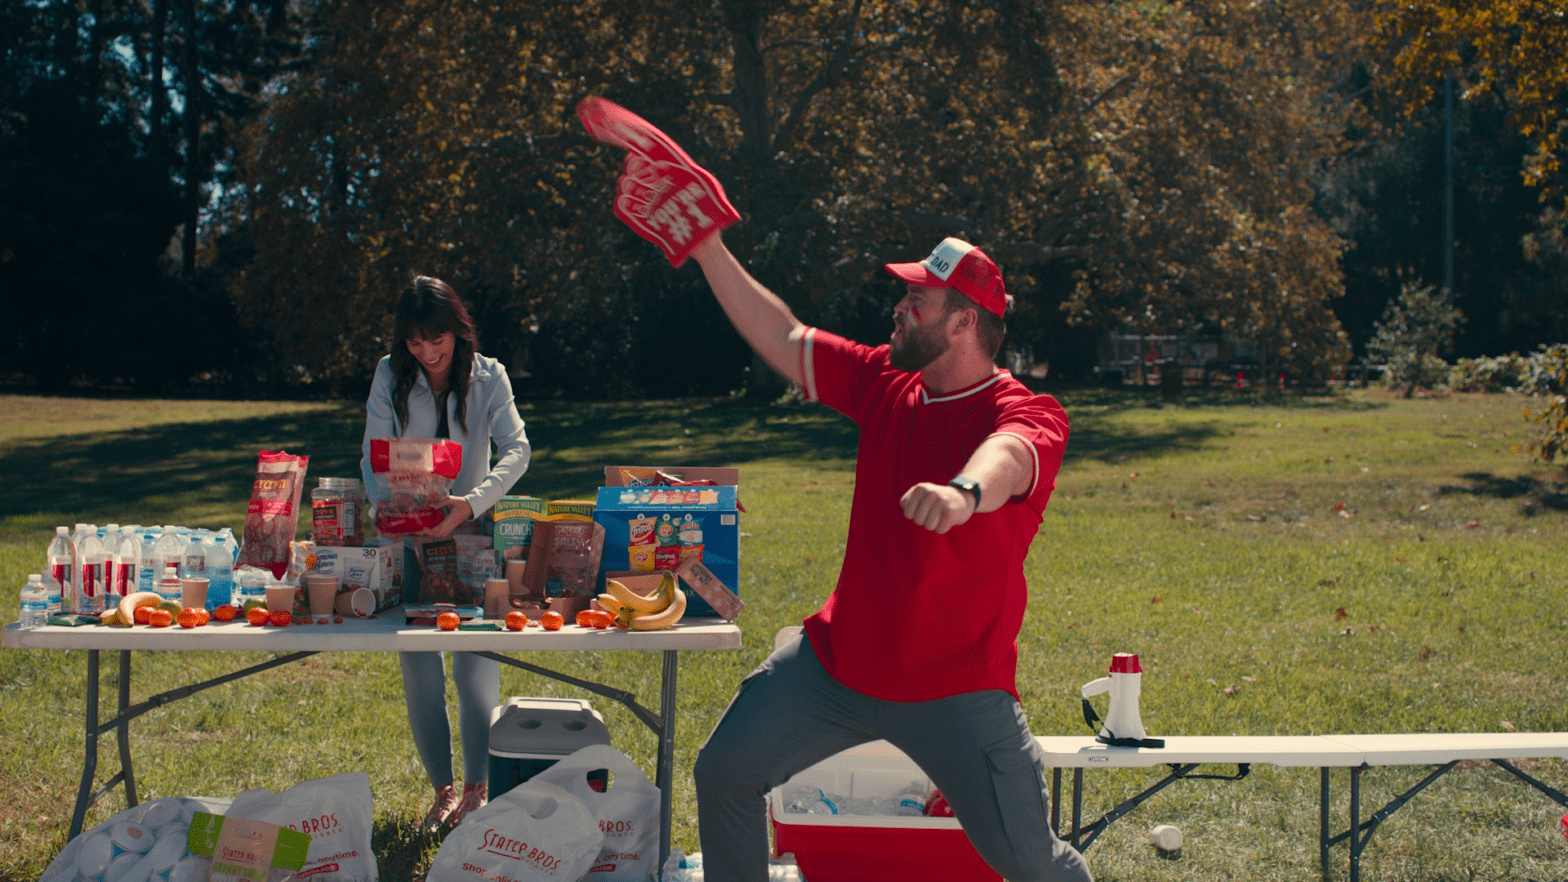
719,767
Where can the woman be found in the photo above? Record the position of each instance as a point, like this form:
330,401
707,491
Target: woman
435,384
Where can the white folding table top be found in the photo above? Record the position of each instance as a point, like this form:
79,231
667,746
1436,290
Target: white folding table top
1306,750
386,632
1423,748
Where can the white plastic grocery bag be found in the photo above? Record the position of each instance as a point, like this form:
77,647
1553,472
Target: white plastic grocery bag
144,841
535,832
336,812
627,812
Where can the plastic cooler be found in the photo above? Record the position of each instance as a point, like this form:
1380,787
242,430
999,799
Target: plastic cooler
529,735
856,848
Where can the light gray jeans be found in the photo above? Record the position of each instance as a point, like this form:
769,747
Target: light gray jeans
790,714
478,682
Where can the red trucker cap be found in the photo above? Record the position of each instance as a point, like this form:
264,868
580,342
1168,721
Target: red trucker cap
957,264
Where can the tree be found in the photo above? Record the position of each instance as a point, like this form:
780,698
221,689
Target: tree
1414,329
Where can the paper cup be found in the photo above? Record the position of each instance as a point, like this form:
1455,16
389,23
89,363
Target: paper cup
322,590
280,597
360,602
193,592
496,593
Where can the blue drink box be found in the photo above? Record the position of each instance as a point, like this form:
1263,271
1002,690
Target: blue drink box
648,529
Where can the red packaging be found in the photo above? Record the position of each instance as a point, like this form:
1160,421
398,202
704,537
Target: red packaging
418,475
273,514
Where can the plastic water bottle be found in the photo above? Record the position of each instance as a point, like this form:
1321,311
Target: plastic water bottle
127,560
89,575
911,801
193,560
812,801
147,572
220,570
169,548
61,558
35,603
169,586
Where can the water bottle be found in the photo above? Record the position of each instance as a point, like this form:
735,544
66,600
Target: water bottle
110,537
89,575
220,571
811,801
169,548
35,603
169,587
193,560
62,563
911,801
127,560
147,572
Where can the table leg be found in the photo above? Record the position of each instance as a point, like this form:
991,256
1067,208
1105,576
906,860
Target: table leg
1077,805
123,735
1355,824
1056,802
1323,828
90,737
664,777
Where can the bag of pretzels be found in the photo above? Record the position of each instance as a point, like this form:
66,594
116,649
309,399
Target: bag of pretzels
273,515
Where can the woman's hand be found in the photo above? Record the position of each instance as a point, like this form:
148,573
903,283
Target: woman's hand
457,511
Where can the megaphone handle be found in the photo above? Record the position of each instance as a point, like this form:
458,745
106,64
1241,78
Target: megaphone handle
1095,687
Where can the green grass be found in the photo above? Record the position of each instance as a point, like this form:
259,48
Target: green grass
1355,563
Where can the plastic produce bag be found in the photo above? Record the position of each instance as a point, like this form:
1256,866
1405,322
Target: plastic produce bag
535,832
144,841
414,477
627,813
335,812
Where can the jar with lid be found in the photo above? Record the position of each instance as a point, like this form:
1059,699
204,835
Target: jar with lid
337,512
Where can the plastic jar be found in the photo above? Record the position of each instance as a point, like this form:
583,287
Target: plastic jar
337,512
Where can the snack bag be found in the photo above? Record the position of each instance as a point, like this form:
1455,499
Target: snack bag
535,832
271,519
628,812
416,477
662,194
335,812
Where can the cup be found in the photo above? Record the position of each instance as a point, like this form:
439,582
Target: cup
514,575
360,602
280,597
322,590
193,592
496,593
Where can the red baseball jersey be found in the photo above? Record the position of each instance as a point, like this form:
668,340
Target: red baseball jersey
917,615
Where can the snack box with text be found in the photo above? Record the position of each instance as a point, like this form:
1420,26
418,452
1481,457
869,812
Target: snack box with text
375,567
871,848
655,528
514,518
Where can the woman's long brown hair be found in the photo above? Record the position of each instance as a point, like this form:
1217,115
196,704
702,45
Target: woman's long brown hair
429,308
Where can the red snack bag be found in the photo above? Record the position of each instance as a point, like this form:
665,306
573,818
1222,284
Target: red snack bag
418,474
274,511
662,194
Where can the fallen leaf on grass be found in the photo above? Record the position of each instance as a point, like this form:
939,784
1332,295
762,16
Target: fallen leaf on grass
1341,614
1473,524
1246,679
1401,560
1506,725
1233,690
1155,600
1328,582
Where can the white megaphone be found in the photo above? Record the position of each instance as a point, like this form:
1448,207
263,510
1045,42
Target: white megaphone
1123,726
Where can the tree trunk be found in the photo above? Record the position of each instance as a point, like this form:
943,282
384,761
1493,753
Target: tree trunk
192,138
160,97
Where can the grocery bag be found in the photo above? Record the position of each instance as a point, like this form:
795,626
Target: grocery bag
335,812
535,832
144,841
627,813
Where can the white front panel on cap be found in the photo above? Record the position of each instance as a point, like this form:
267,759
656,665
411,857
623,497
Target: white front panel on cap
945,258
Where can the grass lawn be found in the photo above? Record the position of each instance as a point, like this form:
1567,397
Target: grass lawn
1306,565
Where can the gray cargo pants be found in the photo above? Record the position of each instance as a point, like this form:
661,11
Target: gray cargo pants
790,714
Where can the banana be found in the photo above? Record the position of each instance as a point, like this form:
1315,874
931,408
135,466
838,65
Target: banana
661,620
130,602
610,604
658,601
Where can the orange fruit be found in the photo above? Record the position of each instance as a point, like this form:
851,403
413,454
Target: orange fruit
202,616
160,618
225,613
552,620
448,621
585,619
188,618
141,614
257,615
602,619
281,617
516,620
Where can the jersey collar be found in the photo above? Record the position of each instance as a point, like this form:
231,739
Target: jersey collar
927,398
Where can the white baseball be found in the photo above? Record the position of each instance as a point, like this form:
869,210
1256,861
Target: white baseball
1165,837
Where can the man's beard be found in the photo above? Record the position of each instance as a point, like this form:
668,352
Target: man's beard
922,345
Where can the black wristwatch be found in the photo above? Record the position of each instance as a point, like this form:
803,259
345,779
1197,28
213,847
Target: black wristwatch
968,485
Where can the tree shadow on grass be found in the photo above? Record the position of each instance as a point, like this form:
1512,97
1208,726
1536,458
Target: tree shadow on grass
1535,495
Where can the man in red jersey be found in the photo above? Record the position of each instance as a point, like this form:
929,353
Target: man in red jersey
918,642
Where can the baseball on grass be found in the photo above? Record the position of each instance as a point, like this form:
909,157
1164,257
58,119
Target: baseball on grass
1165,837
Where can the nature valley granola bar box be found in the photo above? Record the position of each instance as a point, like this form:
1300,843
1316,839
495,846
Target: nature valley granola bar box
515,517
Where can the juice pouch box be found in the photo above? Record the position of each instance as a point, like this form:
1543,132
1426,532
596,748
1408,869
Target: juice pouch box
515,517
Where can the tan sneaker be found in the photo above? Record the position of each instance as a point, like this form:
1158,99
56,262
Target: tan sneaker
473,798
446,804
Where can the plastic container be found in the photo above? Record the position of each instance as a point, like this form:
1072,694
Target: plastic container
61,558
529,735
861,848
337,512
35,603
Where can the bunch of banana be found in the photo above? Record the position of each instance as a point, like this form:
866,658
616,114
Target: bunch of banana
124,615
654,612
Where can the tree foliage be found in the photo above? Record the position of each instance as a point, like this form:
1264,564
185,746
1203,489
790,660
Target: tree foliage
1147,162
1414,330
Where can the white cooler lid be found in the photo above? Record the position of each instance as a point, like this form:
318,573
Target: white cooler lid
545,728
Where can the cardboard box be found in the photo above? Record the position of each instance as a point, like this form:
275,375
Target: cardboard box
378,568
871,848
514,518
656,528
563,569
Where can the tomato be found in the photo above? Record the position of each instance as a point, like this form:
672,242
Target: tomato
552,621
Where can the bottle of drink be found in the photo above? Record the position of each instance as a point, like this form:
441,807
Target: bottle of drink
911,801
35,603
89,575
110,537
147,571
220,570
811,801
194,557
169,548
62,563
169,586
127,560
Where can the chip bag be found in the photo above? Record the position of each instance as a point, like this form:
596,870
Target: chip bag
415,478
273,514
